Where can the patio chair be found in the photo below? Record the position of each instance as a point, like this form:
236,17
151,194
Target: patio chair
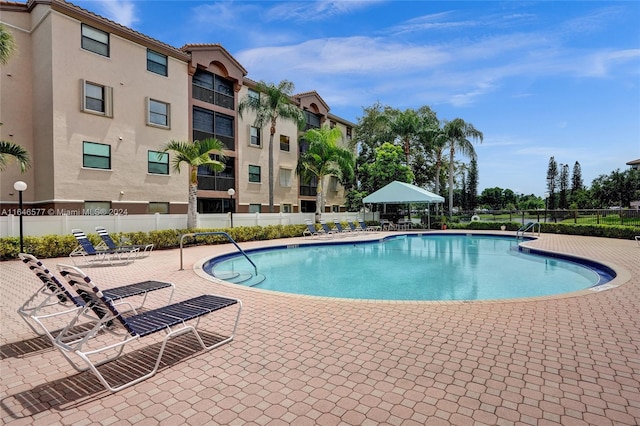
340,229
107,243
53,300
354,228
364,227
387,225
328,230
91,254
311,231
174,320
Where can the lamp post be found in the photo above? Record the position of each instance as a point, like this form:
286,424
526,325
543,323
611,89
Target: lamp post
231,193
20,186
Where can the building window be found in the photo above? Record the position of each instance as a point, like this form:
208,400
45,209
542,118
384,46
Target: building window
284,143
335,209
255,208
97,208
158,162
349,132
253,94
286,208
96,155
254,174
157,63
97,99
158,113
95,41
207,124
332,124
312,120
162,208
213,89
254,136
285,177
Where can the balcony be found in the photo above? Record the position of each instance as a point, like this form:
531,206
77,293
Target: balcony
228,141
212,97
215,183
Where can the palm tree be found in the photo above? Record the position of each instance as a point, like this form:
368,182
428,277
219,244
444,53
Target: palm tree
405,126
7,45
274,102
438,142
325,157
195,154
9,149
458,133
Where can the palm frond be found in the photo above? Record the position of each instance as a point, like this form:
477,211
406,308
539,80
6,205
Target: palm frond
9,150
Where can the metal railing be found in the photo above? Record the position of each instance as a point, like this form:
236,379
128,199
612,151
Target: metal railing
231,240
627,217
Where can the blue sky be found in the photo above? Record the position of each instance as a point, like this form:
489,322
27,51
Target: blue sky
539,79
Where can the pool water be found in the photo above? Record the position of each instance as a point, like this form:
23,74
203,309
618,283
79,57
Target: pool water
416,267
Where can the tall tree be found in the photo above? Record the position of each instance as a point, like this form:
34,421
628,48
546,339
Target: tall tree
563,201
389,166
9,150
472,185
7,45
195,154
458,133
576,179
274,102
325,157
552,182
405,126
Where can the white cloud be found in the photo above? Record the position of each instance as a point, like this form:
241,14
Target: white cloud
121,11
319,10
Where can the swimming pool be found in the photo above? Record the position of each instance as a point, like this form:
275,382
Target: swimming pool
413,267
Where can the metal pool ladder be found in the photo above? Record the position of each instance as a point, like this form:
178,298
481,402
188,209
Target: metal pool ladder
529,226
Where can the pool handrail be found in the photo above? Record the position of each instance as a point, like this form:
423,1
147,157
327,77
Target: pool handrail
529,226
231,240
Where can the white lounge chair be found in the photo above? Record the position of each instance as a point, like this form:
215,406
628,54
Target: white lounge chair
173,320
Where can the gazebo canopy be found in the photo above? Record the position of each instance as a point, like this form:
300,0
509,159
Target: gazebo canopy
400,193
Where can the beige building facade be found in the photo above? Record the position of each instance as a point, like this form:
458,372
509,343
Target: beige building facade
94,103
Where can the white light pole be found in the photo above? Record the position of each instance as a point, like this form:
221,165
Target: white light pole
231,193
20,186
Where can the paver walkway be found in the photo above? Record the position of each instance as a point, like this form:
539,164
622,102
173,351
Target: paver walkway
305,360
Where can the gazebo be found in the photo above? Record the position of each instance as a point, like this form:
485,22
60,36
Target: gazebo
402,193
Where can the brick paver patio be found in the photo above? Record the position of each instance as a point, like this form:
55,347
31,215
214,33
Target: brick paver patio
305,360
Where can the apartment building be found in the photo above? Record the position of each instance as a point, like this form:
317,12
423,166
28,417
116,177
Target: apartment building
94,102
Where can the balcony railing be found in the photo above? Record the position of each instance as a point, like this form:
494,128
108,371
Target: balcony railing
308,191
228,142
215,183
213,97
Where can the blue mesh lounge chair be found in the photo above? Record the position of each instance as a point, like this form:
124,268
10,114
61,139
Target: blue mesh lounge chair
342,230
354,227
117,330
91,254
311,231
107,243
368,228
53,304
327,230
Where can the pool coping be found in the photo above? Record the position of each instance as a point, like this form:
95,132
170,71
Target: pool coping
622,275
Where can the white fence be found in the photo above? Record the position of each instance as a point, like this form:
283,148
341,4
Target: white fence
61,225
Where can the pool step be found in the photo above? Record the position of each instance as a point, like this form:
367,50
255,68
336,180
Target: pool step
240,277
